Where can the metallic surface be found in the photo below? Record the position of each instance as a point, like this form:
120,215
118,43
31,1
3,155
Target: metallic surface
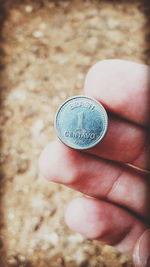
81,122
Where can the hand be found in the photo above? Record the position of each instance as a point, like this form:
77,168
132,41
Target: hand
118,213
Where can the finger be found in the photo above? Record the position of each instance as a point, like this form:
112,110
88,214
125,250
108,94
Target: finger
104,221
141,254
123,88
124,142
95,177
126,94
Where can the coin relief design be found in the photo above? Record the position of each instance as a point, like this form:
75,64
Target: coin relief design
81,122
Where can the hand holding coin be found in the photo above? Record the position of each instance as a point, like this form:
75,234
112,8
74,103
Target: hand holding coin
118,212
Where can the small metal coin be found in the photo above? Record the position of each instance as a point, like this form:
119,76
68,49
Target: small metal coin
81,122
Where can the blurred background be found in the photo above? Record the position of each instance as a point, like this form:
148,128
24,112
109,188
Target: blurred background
46,50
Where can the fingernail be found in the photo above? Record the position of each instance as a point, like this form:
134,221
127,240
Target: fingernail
142,250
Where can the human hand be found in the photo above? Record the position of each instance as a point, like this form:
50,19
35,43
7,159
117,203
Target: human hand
118,213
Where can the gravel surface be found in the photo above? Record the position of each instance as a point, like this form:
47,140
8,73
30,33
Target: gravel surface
46,48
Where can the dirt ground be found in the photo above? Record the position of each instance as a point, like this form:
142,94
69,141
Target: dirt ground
46,49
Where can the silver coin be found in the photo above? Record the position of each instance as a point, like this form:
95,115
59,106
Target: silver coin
81,122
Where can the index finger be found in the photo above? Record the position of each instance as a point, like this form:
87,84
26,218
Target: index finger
122,87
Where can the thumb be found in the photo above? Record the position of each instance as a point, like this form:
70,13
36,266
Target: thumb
141,253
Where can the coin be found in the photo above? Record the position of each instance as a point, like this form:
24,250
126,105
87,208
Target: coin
81,122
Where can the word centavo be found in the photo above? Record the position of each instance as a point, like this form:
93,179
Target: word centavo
84,135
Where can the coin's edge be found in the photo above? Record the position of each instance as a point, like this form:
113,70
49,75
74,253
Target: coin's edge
105,116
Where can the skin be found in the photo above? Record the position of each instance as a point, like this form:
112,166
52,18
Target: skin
116,209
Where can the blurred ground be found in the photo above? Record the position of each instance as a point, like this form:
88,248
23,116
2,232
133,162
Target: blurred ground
47,48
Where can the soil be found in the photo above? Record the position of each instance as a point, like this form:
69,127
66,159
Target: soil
46,50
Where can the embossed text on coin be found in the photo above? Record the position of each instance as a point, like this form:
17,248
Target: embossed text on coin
81,122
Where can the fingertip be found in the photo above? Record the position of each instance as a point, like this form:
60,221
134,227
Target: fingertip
82,216
74,213
116,84
45,160
87,216
141,253
97,81
50,161
57,163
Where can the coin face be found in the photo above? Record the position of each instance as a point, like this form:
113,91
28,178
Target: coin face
81,122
